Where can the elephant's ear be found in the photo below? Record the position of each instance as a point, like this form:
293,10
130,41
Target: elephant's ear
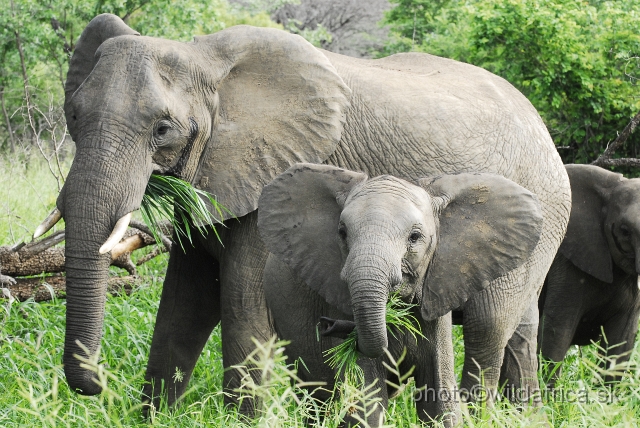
488,226
585,243
280,102
101,28
298,219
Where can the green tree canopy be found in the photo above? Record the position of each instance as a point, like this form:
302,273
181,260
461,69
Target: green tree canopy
574,60
37,38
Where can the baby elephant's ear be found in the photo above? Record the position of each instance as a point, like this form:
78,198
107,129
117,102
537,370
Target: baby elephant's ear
488,226
298,217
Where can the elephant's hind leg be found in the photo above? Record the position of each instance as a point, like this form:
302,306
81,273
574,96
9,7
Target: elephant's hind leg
519,369
189,310
619,339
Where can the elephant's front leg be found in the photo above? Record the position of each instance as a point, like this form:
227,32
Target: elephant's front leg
372,399
486,329
243,306
436,397
189,310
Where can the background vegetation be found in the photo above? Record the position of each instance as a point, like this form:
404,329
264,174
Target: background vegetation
575,60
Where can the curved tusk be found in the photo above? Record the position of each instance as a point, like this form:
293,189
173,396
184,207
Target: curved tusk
118,232
48,223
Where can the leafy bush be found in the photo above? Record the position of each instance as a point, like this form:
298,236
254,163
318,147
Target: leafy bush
576,61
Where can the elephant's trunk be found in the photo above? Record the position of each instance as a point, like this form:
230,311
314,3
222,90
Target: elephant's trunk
370,278
86,288
95,196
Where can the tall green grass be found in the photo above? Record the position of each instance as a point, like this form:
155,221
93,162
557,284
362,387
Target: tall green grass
33,391
28,192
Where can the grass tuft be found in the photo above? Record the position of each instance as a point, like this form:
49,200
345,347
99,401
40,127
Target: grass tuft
344,357
182,204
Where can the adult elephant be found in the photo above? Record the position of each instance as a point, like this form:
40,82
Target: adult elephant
230,111
592,286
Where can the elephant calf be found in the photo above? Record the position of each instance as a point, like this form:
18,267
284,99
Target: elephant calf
592,286
341,243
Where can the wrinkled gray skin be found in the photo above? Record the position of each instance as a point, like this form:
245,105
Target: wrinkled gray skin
229,112
592,286
341,244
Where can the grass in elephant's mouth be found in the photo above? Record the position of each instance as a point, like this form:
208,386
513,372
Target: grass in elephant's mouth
182,204
343,357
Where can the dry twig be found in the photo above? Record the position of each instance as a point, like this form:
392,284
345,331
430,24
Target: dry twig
606,159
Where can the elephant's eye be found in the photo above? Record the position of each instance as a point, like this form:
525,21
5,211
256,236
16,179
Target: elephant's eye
624,230
342,232
415,236
162,128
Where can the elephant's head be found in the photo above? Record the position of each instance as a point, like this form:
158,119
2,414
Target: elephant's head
227,112
355,240
604,227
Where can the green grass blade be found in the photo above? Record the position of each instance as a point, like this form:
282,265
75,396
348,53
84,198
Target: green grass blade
182,204
344,357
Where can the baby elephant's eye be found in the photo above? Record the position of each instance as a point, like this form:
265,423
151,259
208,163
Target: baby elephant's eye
342,232
624,230
415,236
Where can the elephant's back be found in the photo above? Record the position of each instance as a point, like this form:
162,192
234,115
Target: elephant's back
414,115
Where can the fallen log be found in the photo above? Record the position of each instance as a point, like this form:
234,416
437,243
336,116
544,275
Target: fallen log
23,264
41,256
43,289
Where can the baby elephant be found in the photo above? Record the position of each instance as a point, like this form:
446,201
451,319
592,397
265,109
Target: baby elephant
592,286
341,243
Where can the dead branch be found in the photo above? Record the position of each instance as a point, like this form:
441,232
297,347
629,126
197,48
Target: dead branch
164,226
35,247
6,280
605,159
153,254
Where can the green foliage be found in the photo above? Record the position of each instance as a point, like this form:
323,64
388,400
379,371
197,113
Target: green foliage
415,19
48,30
317,37
343,357
182,204
576,61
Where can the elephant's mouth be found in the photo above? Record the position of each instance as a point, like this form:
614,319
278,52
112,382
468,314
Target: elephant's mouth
159,169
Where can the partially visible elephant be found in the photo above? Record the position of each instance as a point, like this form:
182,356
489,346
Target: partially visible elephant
592,286
230,111
342,243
